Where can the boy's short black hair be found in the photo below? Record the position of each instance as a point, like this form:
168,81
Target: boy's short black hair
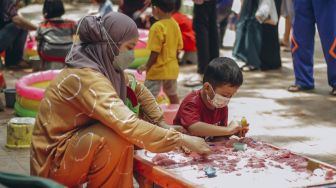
165,5
100,1
53,9
222,71
178,4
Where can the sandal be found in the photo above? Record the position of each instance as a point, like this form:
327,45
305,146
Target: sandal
248,68
284,44
333,92
193,83
298,88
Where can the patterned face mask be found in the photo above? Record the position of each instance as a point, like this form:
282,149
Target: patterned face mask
218,101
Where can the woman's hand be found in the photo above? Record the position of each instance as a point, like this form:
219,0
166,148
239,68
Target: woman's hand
195,144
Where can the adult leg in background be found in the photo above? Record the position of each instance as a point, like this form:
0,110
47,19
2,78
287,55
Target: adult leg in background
212,31
270,46
12,41
303,43
200,26
325,15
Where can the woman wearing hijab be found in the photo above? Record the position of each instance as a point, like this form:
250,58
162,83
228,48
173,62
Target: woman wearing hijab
83,131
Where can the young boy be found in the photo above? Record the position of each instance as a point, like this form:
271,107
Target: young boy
164,41
205,112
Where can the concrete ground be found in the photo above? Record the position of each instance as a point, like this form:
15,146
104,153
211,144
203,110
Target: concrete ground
301,122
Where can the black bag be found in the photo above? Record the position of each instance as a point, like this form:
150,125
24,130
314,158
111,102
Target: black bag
55,39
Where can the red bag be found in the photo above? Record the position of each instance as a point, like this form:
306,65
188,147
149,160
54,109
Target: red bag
2,81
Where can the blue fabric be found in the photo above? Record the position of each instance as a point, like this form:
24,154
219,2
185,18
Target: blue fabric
224,3
106,8
307,14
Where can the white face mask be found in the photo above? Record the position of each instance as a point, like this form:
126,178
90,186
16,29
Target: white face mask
218,101
124,59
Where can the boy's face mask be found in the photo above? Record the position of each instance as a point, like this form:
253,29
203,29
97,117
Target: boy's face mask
218,101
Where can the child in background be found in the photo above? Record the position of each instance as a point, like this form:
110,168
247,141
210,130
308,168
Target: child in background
164,42
142,102
54,35
205,112
188,35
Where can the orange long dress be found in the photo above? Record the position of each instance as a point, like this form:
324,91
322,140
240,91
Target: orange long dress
85,133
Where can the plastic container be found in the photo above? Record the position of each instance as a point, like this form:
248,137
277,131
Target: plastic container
210,171
169,112
10,97
240,146
19,132
36,63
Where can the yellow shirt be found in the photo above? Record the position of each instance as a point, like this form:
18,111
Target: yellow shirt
165,38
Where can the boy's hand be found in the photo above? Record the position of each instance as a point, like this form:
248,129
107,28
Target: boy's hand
234,127
142,68
243,131
195,144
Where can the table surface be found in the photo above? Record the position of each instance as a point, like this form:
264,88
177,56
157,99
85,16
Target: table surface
192,176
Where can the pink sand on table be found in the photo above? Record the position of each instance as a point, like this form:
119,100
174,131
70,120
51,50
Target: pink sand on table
260,165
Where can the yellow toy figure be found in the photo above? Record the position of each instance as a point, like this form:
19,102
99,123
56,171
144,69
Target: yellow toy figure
244,127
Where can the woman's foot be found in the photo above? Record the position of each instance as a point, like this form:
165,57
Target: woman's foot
248,68
284,44
297,88
333,92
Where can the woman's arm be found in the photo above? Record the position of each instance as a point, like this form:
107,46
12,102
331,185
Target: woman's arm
150,110
101,102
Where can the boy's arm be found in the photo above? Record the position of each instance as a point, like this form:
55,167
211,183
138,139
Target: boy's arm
152,60
205,129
